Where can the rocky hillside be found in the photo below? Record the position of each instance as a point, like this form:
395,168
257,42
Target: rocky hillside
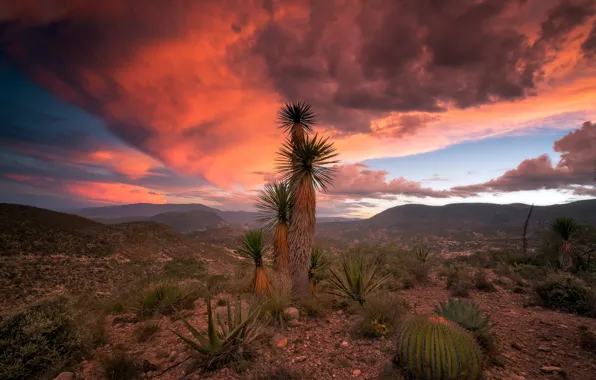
457,222
44,252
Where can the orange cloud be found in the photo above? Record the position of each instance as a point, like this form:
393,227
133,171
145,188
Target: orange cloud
128,162
110,193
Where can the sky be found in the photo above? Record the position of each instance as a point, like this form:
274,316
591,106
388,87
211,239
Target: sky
426,101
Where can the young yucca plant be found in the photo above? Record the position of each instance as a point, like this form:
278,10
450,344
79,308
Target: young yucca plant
230,342
565,229
357,277
422,253
319,263
296,119
306,166
274,204
252,246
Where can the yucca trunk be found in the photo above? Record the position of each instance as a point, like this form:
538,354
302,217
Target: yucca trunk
312,286
281,260
298,134
566,259
261,284
300,235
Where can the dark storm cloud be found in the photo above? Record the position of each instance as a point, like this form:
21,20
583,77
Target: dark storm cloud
589,45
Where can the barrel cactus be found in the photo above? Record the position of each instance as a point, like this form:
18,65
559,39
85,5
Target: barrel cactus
433,348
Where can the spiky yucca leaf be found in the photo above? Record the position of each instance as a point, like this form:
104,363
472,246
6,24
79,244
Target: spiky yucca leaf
564,228
465,313
227,344
307,161
319,263
432,348
357,277
422,252
274,204
296,118
252,246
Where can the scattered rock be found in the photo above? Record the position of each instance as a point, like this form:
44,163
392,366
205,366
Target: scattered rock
65,376
505,281
300,359
164,352
517,346
543,349
294,323
356,372
147,366
551,369
291,313
279,341
345,344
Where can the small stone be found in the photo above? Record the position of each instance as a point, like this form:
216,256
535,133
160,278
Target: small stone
345,344
164,352
551,369
291,313
300,359
543,349
294,323
65,376
279,341
356,372
149,374
147,366
517,346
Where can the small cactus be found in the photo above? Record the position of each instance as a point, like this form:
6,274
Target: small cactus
432,348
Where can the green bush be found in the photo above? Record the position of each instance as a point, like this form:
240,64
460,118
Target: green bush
37,342
380,316
164,297
482,283
458,280
432,348
120,367
567,293
357,278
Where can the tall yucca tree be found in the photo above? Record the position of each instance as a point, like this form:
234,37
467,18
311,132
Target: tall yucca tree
565,229
307,167
252,246
297,119
274,203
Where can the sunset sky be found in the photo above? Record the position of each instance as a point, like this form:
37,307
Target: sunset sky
427,101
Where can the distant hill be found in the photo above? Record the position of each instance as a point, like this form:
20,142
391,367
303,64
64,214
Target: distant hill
43,251
460,222
149,211
185,222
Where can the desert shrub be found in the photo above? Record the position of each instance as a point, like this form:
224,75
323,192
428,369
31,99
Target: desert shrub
241,281
482,283
165,298
587,339
458,281
422,253
567,293
278,299
357,277
99,334
380,316
468,315
145,331
314,307
120,367
231,343
421,272
407,283
184,268
216,283
38,341
434,348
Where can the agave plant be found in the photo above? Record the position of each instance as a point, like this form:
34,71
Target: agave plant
306,166
274,204
566,229
252,246
468,315
319,263
296,119
357,277
229,342
433,348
